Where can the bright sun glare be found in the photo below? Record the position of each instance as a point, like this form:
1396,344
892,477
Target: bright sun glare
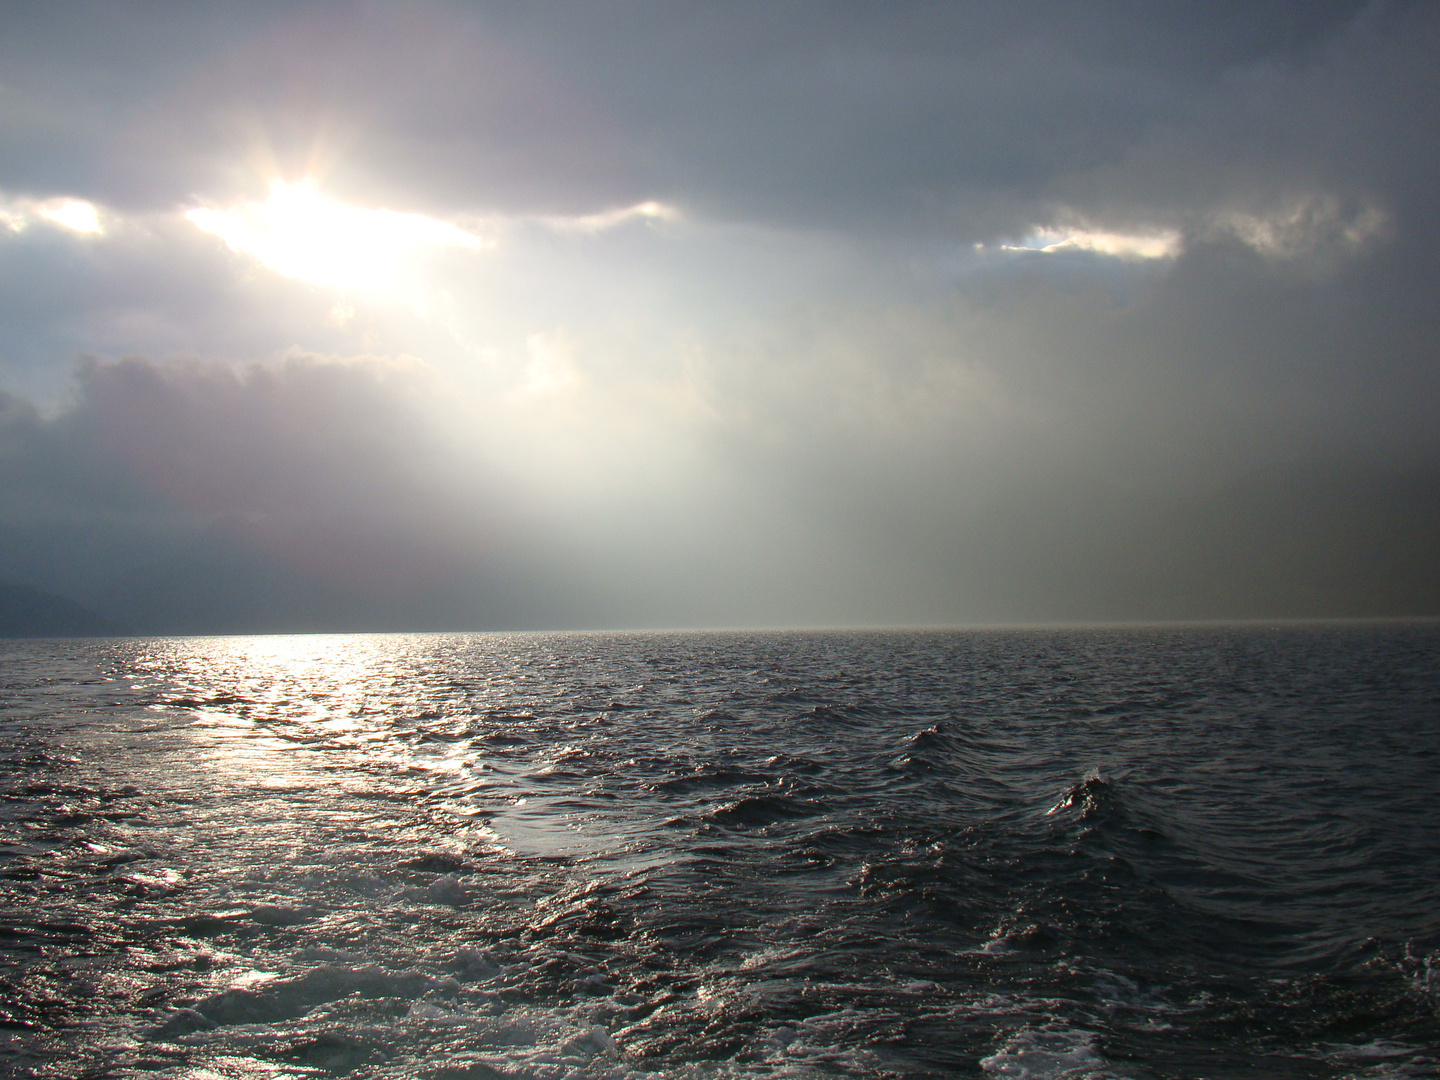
74,214
299,233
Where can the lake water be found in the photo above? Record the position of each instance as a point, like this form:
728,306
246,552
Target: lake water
1145,852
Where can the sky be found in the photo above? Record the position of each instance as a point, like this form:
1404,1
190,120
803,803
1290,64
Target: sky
434,316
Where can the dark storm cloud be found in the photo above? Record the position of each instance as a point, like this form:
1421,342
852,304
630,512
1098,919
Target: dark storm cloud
309,471
75,80
967,115
978,118
963,114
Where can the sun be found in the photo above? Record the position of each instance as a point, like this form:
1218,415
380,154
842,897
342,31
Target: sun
301,234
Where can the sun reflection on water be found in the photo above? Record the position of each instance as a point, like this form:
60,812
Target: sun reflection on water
385,717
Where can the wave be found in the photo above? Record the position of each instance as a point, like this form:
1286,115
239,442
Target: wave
758,810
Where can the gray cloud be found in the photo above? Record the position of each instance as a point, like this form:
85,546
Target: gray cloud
825,391
843,115
317,471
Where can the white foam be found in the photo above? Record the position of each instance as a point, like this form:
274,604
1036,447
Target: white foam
1381,1060
1047,1054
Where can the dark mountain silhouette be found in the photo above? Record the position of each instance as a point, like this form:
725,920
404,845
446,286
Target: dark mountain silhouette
232,581
27,612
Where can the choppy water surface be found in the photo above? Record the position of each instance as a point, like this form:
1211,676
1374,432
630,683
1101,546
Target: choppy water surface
1141,853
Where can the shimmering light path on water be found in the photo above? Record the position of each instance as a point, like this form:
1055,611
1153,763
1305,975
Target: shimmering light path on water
1142,853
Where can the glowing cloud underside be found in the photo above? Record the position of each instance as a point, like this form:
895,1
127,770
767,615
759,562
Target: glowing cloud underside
76,215
300,234
610,219
1131,246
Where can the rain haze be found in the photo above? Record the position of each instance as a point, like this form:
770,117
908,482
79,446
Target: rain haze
340,316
